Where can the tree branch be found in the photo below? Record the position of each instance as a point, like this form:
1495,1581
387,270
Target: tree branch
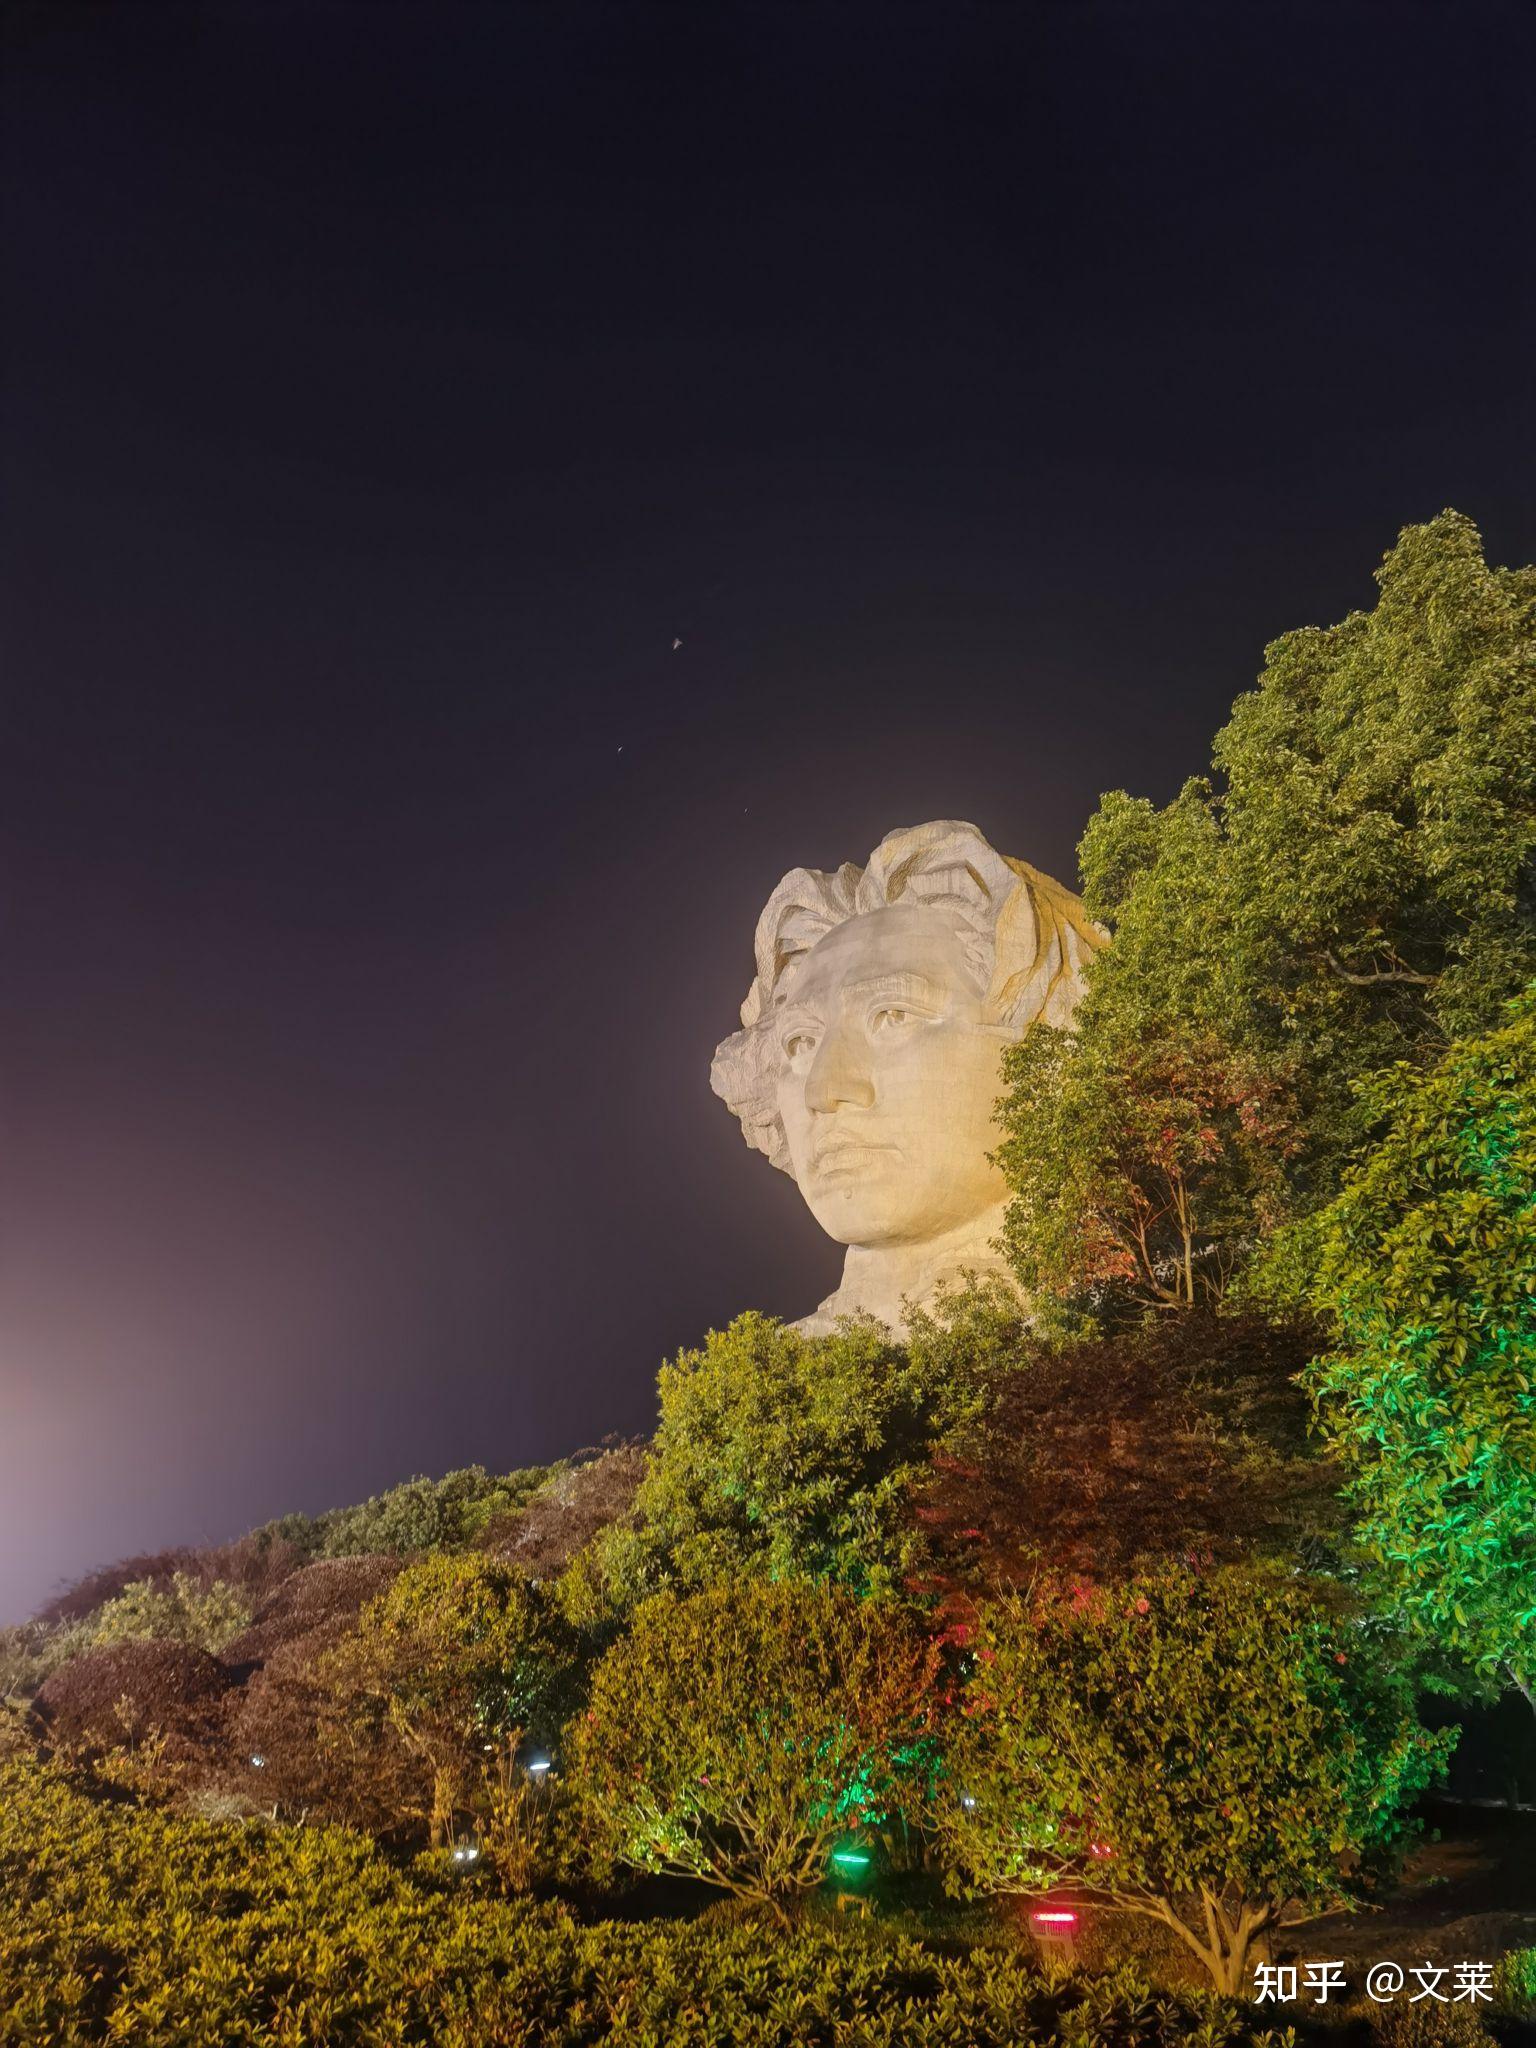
1379,974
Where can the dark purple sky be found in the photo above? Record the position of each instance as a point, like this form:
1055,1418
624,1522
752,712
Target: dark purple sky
974,389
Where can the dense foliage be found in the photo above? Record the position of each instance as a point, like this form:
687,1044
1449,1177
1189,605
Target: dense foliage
1206,1747
1184,1437
779,1454
420,1514
736,1735
129,1693
1425,1269
182,1612
1011,1601
1356,886
459,1653
128,1925
1140,1164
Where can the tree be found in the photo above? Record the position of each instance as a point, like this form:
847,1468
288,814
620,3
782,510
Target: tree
1141,1166
1354,885
1204,1749
456,1653
779,1454
1425,1268
1183,1438
736,1734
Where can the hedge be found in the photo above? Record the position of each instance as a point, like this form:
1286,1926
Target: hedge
120,1924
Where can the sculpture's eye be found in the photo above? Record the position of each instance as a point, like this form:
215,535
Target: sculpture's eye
798,1044
889,1017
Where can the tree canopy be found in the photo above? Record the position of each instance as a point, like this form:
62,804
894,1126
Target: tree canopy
780,1454
1424,1267
737,1733
1353,885
1207,1748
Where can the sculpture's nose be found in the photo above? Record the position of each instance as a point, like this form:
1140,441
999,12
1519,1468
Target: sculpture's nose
838,1075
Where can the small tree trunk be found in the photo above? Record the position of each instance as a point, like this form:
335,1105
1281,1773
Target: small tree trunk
1231,1970
443,1805
1228,1945
1525,1686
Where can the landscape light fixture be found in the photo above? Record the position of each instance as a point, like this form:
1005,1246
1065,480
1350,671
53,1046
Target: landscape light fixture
536,1766
1054,1929
465,1854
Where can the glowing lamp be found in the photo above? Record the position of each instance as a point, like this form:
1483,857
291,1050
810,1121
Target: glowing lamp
536,1766
465,1854
1054,1927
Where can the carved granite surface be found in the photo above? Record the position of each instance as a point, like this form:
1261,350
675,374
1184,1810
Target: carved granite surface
867,1062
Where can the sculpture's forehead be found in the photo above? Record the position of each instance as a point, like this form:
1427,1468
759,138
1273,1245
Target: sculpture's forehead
899,939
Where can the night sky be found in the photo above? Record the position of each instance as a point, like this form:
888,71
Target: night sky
974,390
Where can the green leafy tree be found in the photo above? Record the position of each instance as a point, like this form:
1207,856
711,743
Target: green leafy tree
1425,1267
1140,1167
736,1734
1203,1749
1354,886
779,1454
457,1652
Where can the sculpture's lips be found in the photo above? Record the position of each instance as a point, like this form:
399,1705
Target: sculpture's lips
845,1155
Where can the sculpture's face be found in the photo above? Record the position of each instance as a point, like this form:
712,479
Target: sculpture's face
888,1079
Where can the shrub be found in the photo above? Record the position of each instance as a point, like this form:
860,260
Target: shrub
567,1512
313,1598
1209,1749
1515,1981
133,1691
122,1925
181,1612
32,1651
254,1566
299,1744
83,1598
420,1514
733,1735
781,1455
1183,1437
457,1653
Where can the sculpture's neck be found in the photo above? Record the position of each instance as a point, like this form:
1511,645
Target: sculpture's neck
877,1279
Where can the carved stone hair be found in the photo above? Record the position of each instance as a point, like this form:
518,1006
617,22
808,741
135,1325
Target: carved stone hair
1025,937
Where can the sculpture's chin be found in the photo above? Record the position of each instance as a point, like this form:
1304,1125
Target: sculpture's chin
860,1215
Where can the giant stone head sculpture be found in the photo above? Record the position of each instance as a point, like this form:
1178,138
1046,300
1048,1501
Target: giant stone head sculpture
867,1063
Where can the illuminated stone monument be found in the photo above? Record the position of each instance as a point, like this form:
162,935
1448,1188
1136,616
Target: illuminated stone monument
867,1062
